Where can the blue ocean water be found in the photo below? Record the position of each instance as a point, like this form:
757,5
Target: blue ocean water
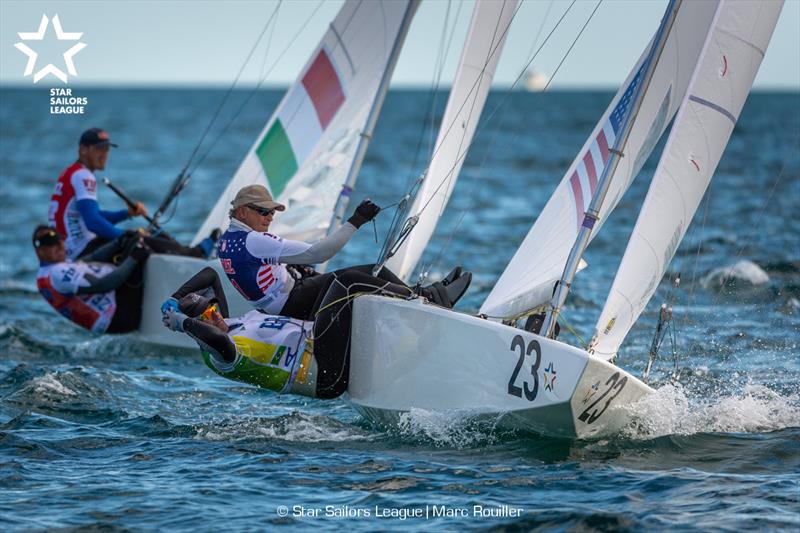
101,432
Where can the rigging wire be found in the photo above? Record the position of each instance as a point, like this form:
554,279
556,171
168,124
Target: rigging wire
541,27
258,86
430,105
441,251
403,203
232,86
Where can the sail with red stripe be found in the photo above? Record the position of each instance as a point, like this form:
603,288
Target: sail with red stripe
529,278
308,146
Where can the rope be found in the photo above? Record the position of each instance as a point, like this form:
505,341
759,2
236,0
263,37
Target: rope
494,111
230,89
440,253
257,87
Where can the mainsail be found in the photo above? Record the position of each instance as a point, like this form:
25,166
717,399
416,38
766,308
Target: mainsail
306,149
473,79
720,84
529,278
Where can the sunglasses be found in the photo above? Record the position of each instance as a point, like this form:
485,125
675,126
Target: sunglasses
206,315
261,211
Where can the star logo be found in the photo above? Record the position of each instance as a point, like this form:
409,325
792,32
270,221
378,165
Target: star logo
591,392
549,377
61,35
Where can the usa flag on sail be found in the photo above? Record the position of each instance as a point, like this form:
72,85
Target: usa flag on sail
589,169
309,108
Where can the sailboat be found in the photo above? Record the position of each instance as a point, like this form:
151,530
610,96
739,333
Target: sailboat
309,151
410,355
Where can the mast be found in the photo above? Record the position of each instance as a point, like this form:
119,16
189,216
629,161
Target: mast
372,119
592,214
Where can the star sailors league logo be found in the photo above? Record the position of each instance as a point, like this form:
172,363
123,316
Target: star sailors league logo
33,56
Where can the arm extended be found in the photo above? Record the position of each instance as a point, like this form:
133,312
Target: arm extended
110,281
297,252
95,221
202,281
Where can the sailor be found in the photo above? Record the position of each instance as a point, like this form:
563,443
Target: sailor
76,215
270,271
93,294
279,353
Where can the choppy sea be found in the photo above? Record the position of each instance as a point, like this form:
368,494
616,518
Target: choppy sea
106,433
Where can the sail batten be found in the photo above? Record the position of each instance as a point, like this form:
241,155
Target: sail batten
716,94
528,280
307,147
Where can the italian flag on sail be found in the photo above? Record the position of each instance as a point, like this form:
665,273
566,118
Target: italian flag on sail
307,110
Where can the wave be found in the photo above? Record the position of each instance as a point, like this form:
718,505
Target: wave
451,429
292,427
742,273
674,410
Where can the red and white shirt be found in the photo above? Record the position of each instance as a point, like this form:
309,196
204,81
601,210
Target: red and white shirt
59,284
76,183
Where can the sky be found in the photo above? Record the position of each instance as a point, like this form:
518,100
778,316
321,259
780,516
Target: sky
206,42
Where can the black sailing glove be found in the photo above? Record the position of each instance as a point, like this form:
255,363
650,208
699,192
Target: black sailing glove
365,212
141,251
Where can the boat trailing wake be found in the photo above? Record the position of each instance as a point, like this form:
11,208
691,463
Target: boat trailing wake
674,410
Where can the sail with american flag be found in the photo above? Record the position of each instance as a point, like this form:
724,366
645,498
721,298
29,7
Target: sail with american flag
529,278
591,164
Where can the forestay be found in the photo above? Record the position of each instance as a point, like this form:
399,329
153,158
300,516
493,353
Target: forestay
720,84
473,79
307,147
529,278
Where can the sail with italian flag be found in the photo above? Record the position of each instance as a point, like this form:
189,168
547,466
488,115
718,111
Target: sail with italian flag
308,109
308,146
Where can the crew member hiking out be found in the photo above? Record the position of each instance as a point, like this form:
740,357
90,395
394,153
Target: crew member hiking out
271,273
279,353
76,215
93,294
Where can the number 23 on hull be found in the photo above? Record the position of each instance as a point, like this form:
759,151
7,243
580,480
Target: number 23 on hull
407,355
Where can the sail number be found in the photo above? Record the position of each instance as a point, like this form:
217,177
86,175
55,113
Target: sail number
590,414
529,389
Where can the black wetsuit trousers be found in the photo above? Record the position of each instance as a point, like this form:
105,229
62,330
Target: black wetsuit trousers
129,303
163,243
306,296
334,321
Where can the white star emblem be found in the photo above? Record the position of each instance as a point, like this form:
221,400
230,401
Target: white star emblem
38,35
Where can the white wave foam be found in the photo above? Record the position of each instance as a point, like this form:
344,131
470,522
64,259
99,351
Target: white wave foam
49,383
296,427
447,428
742,271
671,411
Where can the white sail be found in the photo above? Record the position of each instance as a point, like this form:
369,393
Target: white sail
529,278
720,84
307,147
482,49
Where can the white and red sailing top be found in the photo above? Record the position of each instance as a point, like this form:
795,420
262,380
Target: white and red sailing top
74,184
59,284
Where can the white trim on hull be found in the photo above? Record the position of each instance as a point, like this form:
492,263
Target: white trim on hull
408,355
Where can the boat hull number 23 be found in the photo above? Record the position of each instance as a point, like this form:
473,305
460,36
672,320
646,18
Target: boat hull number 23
530,380
530,386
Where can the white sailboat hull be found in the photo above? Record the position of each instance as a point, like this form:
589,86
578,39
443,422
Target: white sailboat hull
162,276
408,355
